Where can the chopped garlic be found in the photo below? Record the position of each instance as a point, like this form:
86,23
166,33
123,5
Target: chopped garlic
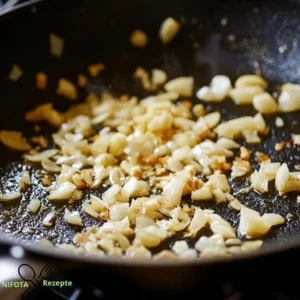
165,255
117,144
233,242
217,91
73,218
253,225
159,76
215,241
67,89
47,113
56,45
233,128
245,95
180,247
150,236
203,193
219,181
118,211
279,122
235,204
148,155
168,30
240,168
265,104
88,209
14,140
38,157
34,205
10,196
48,221
63,192
219,226
188,254
16,73
296,139
50,166
269,169
212,119
259,182
118,194
136,188
227,143
138,252
289,99
198,222
250,246
281,178
251,80
143,75
273,219
173,190
182,85
199,110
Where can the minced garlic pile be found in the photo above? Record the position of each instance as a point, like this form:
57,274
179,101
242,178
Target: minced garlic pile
149,154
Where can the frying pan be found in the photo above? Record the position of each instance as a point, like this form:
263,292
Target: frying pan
217,37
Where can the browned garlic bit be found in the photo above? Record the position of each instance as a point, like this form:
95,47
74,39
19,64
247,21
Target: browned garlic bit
95,69
138,38
41,80
49,219
82,80
280,146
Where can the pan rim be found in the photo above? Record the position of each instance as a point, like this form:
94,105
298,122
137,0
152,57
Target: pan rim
121,261
19,6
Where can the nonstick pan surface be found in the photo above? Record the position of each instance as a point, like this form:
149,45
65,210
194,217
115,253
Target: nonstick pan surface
266,38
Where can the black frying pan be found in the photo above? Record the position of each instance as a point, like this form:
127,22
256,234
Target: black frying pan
267,37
